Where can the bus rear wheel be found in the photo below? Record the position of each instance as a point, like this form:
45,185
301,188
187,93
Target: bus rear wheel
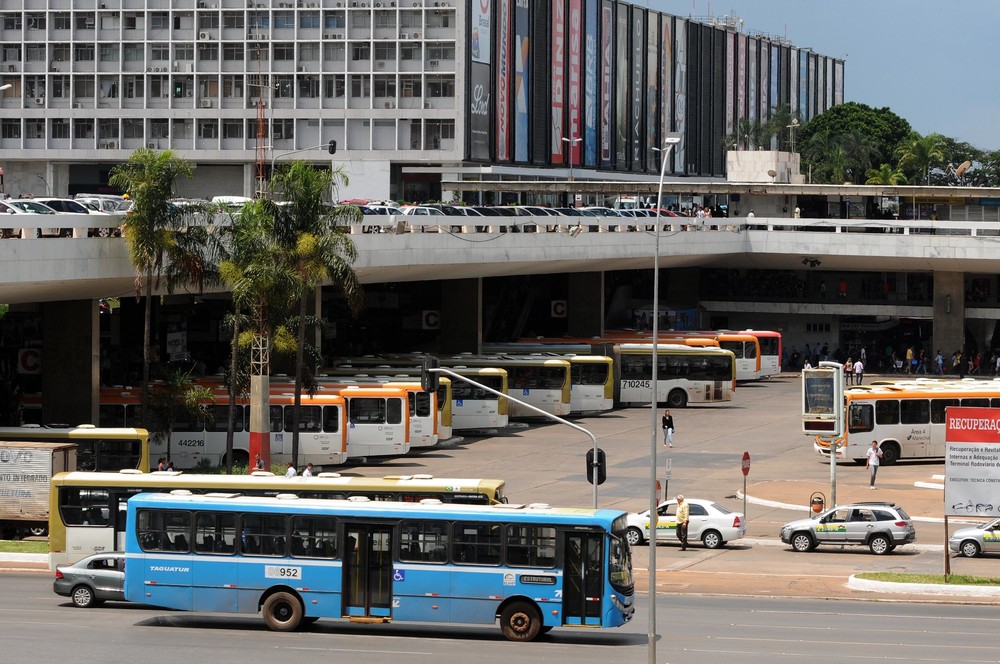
520,622
677,399
890,453
282,612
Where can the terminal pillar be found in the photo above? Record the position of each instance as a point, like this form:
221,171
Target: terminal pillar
585,308
949,313
71,352
461,317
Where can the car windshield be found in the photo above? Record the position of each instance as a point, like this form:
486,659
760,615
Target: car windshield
30,206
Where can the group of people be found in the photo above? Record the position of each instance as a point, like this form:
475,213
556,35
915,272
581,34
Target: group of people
290,470
162,464
856,369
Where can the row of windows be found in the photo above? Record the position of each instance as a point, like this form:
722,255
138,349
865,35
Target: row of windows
256,19
134,128
863,417
690,367
229,50
536,378
276,535
590,374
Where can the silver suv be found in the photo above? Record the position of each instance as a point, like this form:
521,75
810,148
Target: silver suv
879,526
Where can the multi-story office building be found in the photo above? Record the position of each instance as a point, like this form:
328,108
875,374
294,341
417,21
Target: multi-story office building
411,90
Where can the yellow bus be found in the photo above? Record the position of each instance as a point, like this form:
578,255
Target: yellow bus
101,449
87,510
905,417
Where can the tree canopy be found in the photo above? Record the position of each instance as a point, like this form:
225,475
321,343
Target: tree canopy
870,136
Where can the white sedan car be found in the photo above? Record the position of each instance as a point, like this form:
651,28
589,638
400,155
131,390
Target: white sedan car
710,522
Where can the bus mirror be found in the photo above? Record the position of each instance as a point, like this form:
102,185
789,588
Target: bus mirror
601,466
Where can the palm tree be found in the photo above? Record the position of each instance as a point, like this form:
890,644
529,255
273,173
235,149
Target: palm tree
885,174
918,154
177,397
148,178
318,250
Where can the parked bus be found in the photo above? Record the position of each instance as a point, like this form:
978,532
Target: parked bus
298,560
906,417
683,375
103,449
770,351
333,428
87,510
543,382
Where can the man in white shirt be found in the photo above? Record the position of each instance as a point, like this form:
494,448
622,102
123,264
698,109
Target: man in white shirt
859,372
308,472
291,470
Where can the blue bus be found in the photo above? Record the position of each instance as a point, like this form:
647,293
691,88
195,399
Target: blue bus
295,560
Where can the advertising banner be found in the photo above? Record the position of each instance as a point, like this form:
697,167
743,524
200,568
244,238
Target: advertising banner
522,67
590,96
652,136
666,83
804,86
637,113
607,81
479,112
574,101
753,101
482,29
741,77
730,84
680,93
775,61
503,82
764,90
557,97
972,462
622,91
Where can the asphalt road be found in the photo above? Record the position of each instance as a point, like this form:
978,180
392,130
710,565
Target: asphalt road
38,626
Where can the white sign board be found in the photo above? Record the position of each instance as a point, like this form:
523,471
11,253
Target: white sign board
972,462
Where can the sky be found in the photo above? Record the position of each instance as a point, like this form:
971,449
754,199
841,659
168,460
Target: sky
935,63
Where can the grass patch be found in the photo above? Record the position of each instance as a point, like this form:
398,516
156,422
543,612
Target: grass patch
20,546
953,580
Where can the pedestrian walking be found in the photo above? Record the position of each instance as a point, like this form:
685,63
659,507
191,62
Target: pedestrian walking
683,516
848,370
291,472
308,472
667,422
874,455
859,372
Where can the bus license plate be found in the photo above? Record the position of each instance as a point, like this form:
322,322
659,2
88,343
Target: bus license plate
281,572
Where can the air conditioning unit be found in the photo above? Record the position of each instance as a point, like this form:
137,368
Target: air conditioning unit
204,36
77,104
433,63
416,35
404,35
149,69
378,4
151,146
390,104
39,100
427,104
111,145
302,68
380,64
338,35
206,103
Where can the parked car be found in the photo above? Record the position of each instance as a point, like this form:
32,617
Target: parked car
93,580
34,207
76,208
879,526
710,522
974,540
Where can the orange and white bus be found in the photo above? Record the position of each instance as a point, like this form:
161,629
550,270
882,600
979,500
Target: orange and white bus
770,351
356,423
905,417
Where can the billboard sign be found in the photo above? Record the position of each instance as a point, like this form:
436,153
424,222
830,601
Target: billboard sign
972,462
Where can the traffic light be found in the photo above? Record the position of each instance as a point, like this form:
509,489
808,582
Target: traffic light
332,147
428,378
601,466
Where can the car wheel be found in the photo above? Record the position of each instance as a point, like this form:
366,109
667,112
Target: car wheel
969,548
712,539
83,597
282,612
880,545
634,536
520,622
802,542
38,531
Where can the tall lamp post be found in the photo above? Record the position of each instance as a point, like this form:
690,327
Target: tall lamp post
572,143
669,141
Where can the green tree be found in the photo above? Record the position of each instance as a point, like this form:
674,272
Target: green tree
318,251
918,154
885,174
149,230
878,132
177,398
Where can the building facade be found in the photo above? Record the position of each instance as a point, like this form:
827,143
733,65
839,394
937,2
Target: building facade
412,91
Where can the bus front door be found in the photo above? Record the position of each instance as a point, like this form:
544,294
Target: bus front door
583,578
368,571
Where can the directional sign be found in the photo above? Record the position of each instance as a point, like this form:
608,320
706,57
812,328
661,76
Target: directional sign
666,468
746,464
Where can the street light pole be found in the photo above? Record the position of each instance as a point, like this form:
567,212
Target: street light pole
669,141
572,142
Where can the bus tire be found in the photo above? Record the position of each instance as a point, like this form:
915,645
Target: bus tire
520,621
890,453
240,458
282,612
677,399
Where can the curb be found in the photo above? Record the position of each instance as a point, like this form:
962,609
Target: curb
868,585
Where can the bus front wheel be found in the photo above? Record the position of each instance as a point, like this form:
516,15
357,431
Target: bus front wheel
520,621
282,612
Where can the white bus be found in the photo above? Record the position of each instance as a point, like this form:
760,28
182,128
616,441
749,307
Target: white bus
906,417
684,374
